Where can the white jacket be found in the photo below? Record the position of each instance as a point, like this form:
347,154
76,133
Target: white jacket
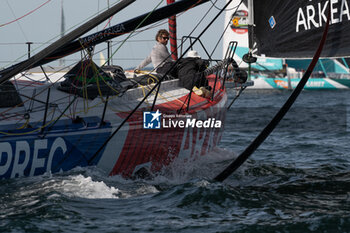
159,55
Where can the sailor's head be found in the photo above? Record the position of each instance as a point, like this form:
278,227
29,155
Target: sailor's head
162,36
193,53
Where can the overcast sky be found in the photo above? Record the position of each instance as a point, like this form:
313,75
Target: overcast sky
44,24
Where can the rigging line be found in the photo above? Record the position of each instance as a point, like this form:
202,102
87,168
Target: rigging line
54,38
74,45
153,88
60,116
190,34
201,20
97,76
130,34
110,19
98,11
96,73
162,95
236,97
180,46
24,87
218,8
23,102
183,42
12,115
76,144
280,114
228,24
27,132
84,71
1,25
29,98
13,13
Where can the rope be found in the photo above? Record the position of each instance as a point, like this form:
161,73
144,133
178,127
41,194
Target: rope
85,94
279,116
228,24
24,125
155,80
130,34
28,132
110,19
152,89
229,9
56,37
2,25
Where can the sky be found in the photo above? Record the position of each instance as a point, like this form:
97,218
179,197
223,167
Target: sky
44,25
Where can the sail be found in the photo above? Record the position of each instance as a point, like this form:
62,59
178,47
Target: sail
237,19
289,28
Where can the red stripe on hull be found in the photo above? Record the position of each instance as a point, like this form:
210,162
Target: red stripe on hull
157,148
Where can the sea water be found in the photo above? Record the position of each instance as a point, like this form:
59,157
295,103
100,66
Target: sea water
298,180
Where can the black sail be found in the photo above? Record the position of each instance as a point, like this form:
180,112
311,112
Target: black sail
293,28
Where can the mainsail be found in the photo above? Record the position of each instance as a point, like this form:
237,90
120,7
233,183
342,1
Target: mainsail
289,28
284,32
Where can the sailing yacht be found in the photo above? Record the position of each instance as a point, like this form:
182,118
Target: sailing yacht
122,123
279,73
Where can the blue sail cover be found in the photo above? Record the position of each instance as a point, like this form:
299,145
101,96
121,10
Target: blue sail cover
293,28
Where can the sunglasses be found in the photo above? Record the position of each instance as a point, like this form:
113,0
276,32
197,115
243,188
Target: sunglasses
165,38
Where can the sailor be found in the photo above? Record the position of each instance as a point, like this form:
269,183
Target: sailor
159,56
191,75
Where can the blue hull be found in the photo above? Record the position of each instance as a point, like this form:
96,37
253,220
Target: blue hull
65,146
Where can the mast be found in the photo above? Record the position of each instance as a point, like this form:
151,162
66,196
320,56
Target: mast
63,29
64,40
250,24
172,33
248,57
111,32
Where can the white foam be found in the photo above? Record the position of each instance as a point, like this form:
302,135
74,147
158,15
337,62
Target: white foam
146,189
85,187
202,167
